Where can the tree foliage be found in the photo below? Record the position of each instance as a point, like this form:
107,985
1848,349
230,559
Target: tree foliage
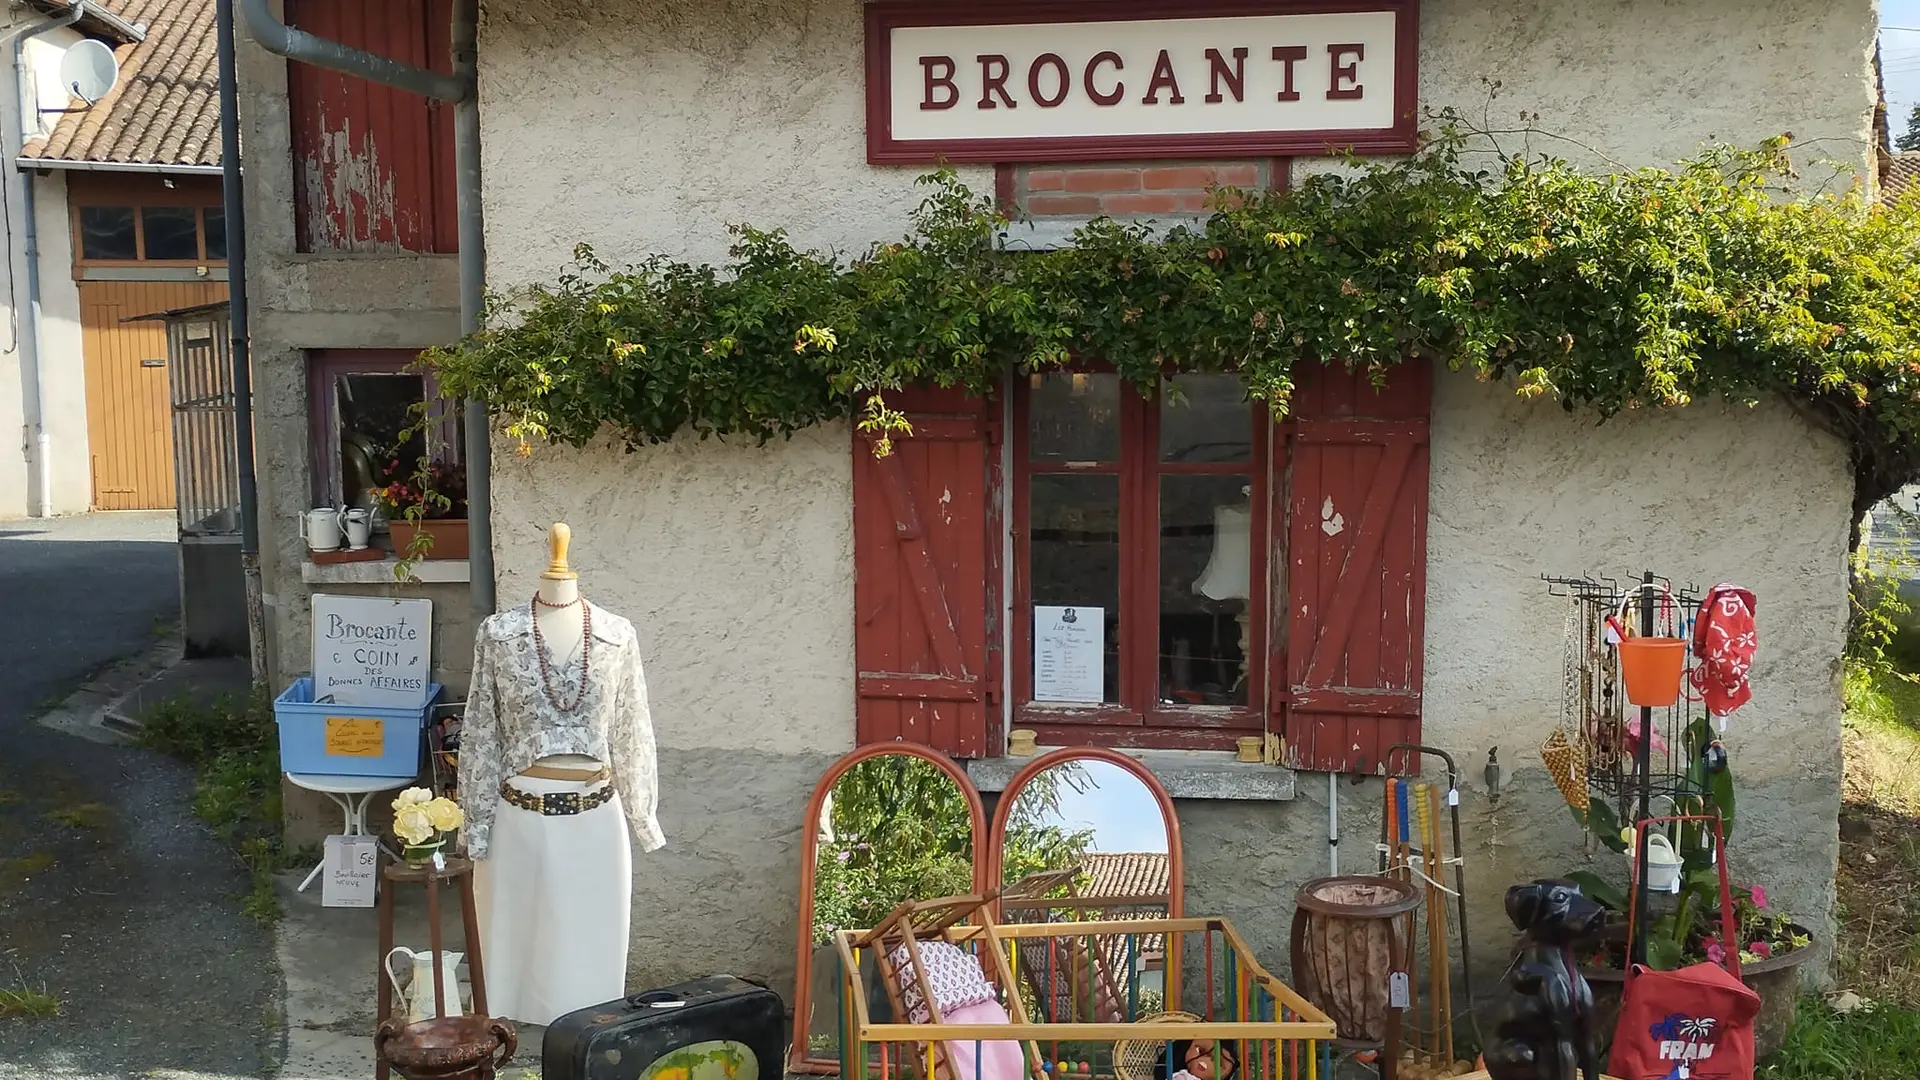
901,831
1644,288
1910,138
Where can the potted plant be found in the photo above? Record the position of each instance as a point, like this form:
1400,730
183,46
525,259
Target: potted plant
423,822
426,510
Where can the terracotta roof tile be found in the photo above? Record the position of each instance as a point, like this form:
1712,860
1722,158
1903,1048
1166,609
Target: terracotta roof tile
1124,874
165,109
1901,173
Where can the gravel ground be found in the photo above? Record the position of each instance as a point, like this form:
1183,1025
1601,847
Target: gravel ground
113,898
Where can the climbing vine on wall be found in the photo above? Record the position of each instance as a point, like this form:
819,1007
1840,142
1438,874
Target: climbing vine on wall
1641,289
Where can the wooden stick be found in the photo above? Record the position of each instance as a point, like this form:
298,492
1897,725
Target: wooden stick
1437,868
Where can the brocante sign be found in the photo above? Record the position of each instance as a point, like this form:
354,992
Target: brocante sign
1067,80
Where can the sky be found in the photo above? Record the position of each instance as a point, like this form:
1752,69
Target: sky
1117,807
1900,59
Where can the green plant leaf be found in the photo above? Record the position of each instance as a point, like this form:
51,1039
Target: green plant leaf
1598,890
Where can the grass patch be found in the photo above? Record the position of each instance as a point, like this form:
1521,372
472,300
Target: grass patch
91,815
29,1004
1866,1044
234,748
18,869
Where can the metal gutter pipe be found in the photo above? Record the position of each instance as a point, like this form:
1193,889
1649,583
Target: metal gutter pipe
460,88
233,200
473,295
21,201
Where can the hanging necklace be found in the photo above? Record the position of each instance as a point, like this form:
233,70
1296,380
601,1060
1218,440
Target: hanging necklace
586,651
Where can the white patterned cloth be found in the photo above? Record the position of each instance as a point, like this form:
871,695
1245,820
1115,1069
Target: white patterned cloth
952,972
511,722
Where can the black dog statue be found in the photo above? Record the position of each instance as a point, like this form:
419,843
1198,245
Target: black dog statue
1547,1032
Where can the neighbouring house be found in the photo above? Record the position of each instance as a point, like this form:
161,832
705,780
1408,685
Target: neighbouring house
117,204
777,589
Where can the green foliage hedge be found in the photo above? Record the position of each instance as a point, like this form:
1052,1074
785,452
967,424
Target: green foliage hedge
1645,288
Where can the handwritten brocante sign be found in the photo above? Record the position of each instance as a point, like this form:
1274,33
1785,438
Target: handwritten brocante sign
1070,80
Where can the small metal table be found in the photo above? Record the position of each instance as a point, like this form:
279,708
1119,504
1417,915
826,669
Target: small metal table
351,794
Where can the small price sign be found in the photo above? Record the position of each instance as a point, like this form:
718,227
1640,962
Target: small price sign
355,736
350,865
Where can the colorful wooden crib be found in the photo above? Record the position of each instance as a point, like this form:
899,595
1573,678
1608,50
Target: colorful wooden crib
1250,1025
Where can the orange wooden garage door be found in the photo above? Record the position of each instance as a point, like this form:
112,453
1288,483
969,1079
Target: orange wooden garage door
129,417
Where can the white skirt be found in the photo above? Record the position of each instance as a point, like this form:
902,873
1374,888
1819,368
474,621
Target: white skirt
555,897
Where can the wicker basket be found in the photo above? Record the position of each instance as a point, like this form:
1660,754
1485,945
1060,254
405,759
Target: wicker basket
1139,1059
1566,762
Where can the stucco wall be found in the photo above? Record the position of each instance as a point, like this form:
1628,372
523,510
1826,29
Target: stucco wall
735,561
61,349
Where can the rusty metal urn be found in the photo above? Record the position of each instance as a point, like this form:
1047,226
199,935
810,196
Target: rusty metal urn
446,1047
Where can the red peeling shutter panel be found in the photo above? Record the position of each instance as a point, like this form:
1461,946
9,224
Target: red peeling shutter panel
927,563
1356,568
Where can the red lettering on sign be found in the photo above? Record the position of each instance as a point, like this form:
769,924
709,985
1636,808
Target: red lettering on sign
1119,88
1289,55
1348,73
1236,79
994,70
1063,81
942,81
1163,77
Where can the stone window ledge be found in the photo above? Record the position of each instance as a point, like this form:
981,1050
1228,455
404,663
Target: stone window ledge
1055,233
429,571
1186,774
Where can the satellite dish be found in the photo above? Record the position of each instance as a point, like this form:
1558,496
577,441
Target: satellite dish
89,70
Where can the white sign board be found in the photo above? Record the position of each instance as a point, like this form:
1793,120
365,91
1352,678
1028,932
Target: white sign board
348,877
995,82
1069,654
372,650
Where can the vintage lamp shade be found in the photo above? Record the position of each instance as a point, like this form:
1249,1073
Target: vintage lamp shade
1225,577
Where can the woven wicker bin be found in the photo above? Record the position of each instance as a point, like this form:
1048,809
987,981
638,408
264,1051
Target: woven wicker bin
1347,937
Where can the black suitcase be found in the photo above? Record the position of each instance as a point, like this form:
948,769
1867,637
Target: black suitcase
628,1038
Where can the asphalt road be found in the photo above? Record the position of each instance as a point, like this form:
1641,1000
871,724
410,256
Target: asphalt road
113,898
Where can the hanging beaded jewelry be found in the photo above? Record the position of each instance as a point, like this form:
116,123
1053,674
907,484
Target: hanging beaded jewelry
586,650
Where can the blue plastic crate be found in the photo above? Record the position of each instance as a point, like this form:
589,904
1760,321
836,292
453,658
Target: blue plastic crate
350,740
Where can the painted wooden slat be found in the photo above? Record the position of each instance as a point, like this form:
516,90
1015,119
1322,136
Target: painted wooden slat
129,407
924,583
1355,524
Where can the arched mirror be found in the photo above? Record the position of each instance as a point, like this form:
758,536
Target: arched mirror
887,823
1089,836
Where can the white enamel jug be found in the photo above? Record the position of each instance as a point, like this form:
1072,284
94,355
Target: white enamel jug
416,998
320,527
357,523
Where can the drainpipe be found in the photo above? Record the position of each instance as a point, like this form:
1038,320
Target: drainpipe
20,203
234,201
461,89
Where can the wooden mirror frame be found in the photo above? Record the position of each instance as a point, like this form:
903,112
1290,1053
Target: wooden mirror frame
799,1059
1176,888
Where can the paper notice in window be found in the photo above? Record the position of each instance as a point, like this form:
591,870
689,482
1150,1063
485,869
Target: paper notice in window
1069,653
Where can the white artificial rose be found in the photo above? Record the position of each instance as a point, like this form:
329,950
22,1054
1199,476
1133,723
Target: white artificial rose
413,825
413,796
445,814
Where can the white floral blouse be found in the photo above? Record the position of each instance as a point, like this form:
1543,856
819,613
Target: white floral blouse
511,722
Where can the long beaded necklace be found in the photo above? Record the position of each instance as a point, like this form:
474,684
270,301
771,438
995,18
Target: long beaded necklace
586,650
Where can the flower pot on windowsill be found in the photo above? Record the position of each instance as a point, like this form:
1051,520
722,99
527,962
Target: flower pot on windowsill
449,537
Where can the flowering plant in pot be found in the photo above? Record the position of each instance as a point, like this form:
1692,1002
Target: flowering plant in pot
426,510
423,822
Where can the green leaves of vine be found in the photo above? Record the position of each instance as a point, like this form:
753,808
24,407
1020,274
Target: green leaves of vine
1640,289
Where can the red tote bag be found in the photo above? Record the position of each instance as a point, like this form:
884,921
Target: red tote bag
1695,1023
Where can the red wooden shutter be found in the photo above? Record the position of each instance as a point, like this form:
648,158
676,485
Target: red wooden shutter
1356,566
926,579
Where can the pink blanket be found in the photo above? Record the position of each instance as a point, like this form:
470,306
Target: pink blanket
999,1059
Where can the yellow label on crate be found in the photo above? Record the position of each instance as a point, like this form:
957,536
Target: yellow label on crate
355,736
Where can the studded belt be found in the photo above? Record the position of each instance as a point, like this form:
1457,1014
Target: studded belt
556,803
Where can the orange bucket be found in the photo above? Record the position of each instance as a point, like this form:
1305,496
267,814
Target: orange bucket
1652,668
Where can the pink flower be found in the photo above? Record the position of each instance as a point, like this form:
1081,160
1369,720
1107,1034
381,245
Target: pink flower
1761,949
1715,953
1759,895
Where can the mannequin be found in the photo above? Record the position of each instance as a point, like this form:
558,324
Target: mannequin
557,777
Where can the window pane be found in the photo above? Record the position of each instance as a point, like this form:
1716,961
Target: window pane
1206,563
374,411
1214,422
1074,417
216,219
171,232
1074,562
106,232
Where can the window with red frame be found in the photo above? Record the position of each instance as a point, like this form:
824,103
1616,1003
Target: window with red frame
363,421
1144,518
